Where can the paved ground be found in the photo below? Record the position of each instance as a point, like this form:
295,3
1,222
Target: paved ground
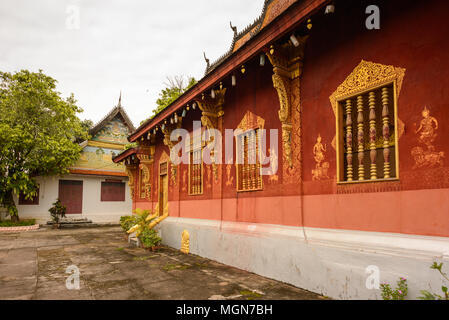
33,266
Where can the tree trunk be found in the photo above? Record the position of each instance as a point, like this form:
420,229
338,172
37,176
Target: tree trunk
11,206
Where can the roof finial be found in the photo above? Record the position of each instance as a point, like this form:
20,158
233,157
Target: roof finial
120,99
234,28
207,60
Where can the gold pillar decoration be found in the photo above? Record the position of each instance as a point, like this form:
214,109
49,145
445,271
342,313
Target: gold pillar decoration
287,62
372,134
170,144
130,170
185,242
386,132
146,159
212,111
349,171
360,133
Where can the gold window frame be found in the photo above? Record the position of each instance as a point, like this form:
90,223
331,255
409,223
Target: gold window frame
258,138
340,137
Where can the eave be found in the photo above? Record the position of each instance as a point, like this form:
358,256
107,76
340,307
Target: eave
125,154
285,23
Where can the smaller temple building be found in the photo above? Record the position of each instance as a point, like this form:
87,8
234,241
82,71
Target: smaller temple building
96,188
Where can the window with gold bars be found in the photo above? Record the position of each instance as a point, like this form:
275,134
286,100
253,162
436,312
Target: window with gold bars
196,172
248,164
368,146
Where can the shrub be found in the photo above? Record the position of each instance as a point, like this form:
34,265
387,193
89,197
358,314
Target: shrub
395,294
57,211
126,222
426,295
150,238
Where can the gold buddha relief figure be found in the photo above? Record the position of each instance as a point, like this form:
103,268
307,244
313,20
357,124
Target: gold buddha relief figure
425,155
321,168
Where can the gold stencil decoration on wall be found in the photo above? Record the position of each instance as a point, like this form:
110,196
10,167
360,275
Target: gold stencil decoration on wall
273,177
321,167
184,181
425,155
229,178
368,75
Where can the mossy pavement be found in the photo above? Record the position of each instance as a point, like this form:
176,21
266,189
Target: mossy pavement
33,266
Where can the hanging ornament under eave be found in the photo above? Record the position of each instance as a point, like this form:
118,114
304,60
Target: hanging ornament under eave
271,49
163,126
154,131
194,106
171,120
212,94
233,80
184,112
309,24
262,59
243,69
176,118
221,85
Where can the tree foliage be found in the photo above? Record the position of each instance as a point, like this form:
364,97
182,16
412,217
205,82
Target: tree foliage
174,87
38,133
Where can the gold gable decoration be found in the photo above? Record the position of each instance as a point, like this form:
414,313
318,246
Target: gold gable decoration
368,75
251,121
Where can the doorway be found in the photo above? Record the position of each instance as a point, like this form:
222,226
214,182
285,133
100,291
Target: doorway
163,187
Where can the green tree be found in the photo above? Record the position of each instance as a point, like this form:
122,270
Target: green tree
175,86
38,133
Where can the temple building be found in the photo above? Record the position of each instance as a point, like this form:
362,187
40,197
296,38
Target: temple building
96,188
354,104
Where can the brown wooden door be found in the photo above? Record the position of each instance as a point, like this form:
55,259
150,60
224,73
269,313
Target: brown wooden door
163,193
71,195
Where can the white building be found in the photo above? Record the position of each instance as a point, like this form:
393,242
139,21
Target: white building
96,188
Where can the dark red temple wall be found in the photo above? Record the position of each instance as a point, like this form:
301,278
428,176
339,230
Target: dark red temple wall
254,92
412,36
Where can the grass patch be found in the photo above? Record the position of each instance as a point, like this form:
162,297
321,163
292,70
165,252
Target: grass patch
144,258
21,223
170,267
250,295
120,249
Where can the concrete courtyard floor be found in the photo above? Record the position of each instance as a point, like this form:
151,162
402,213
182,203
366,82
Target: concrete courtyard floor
33,266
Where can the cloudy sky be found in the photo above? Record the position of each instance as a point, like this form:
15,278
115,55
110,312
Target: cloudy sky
95,48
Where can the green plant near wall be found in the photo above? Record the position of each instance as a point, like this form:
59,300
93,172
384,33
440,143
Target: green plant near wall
399,293
126,222
57,211
427,295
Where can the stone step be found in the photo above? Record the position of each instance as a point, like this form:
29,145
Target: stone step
134,241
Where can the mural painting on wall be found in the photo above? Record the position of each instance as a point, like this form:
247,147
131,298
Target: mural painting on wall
114,132
98,158
424,154
273,177
174,174
322,167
